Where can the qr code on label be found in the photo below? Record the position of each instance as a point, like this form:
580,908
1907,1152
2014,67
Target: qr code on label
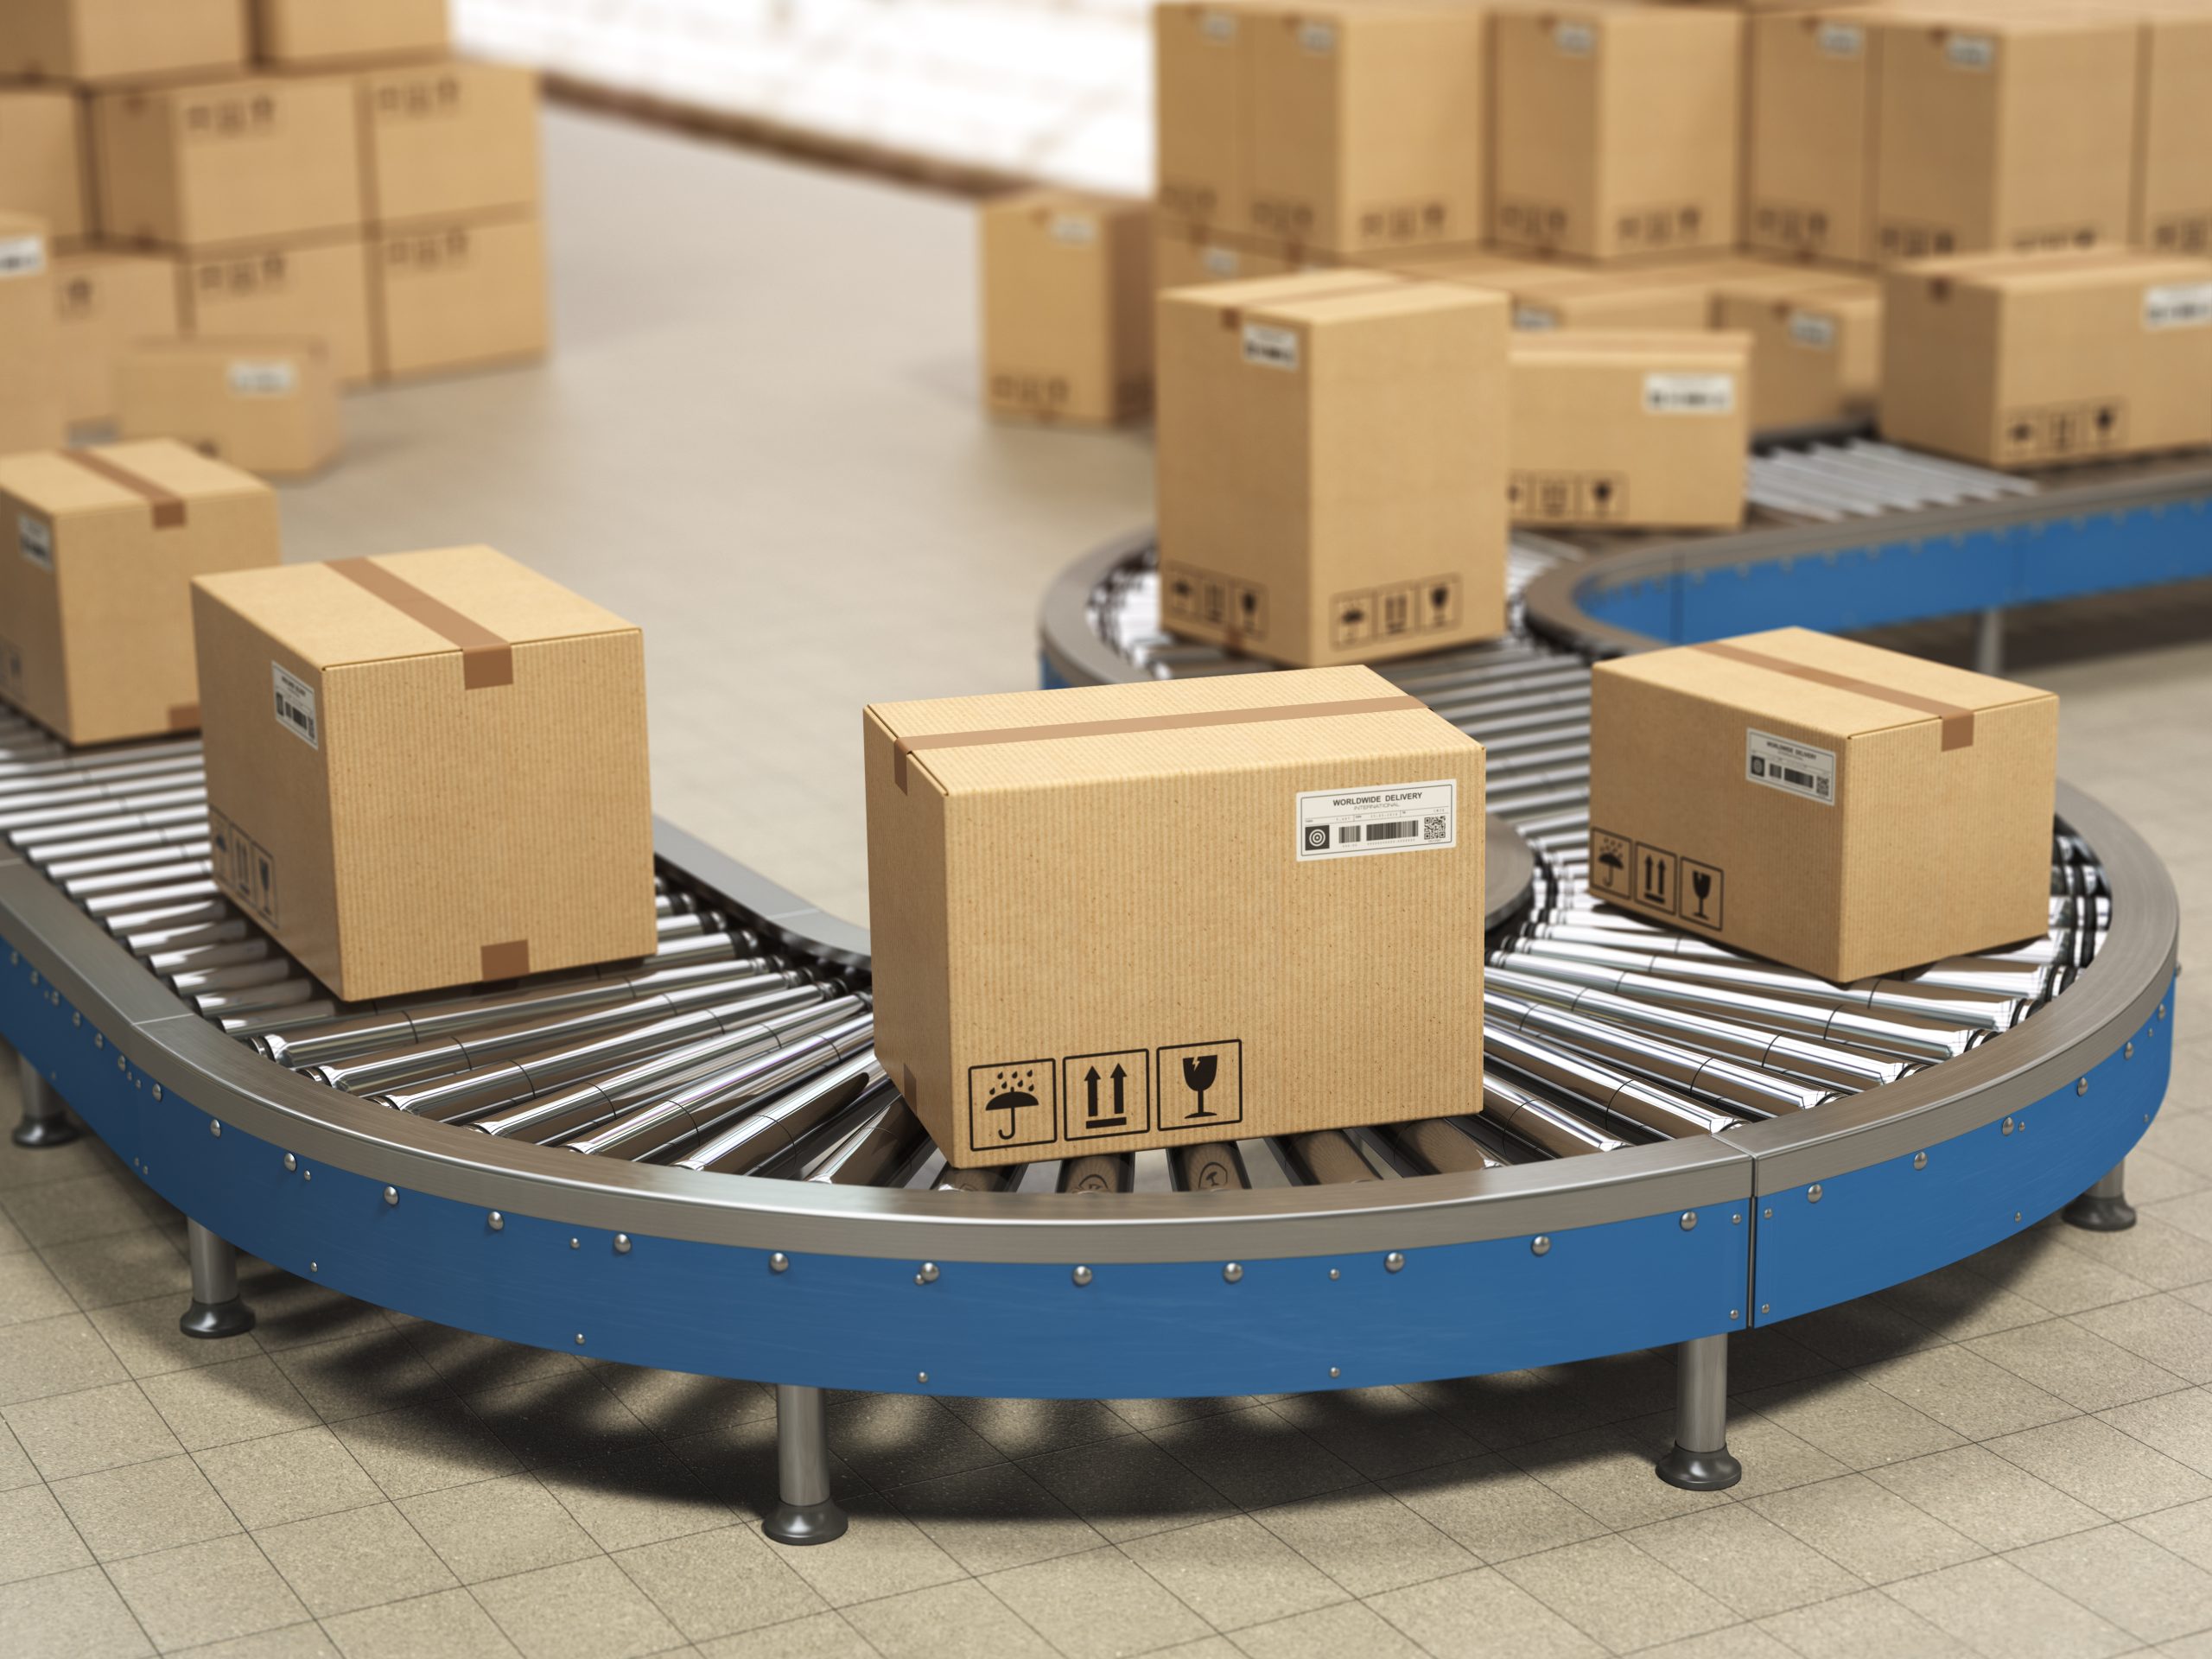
1432,827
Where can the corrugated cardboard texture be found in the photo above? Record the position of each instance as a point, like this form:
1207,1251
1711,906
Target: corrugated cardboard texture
1367,124
318,288
449,140
463,294
1817,345
1630,430
42,169
2173,183
2030,361
111,41
31,403
1618,128
258,159
1198,77
270,406
1809,155
1332,466
99,609
103,302
1067,307
1044,909
1910,852
316,31
2003,133
1665,298
428,821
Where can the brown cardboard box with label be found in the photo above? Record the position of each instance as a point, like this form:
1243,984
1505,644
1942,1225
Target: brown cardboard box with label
31,405
97,605
2173,151
1810,155
1198,100
1101,866
2031,360
1067,307
1618,129
1368,123
1629,430
1817,345
450,782
102,42
339,31
458,293
1662,298
1186,255
318,289
249,160
1846,810
43,168
2003,131
1331,477
105,303
449,140
270,406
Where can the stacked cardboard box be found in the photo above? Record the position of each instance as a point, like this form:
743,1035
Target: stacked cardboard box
30,381
1067,307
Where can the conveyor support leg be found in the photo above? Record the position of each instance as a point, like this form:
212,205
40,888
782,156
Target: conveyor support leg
1699,1461
45,1116
1989,643
804,1513
2104,1208
217,1310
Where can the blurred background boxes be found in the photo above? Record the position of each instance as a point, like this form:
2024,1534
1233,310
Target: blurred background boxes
1813,88
317,288
105,43
448,140
1185,255
325,32
1817,345
270,406
31,402
1067,307
43,161
1199,72
465,294
2173,152
104,304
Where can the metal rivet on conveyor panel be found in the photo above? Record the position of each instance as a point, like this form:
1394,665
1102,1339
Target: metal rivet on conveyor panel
778,1263
1736,1220
1735,1314
1813,1193
119,1062
290,1163
621,1243
1081,1275
1767,1214
2016,1215
1336,1272
580,1338
215,1128
1689,1221
157,1092
926,1276
2008,1126
76,1019
391,1195
921,1377
307,1174
1920,1161
2162,1010
1335,1371
315,1266
2127,1051
1541,1244
1394,1263
495,1221
576,1244
1766,1307
1233,1271
2083,1087
98,1040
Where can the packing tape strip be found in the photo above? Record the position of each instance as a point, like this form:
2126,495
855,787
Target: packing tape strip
510,960
906,746
1957,723
486,658
169,510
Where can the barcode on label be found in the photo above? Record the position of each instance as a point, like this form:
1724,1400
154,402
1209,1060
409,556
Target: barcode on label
1690,394
296,705
1074,229
1794,768
1387,818
262,377
1971,51
1270,348
1319,39
1842,39
1810,329
21,255
2183,305
35,537
1575,40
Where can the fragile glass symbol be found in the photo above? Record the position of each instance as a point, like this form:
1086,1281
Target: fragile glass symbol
1199,1072
1702,884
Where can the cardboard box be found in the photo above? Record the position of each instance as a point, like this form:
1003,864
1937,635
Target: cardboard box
1846,810
1103,866
1185,256
104,304
1198,112
31,403
2172,209
1618,129
1816,345
2033,360
450,784
459,294
1663,298
1809,156
270,406
259,159
1331,466
107,43
97,609
338,31
2003,131
1368,123
319,289
1622,430
42,160
449,140
1067,307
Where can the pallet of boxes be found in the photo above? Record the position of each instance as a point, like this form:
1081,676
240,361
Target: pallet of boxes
253,205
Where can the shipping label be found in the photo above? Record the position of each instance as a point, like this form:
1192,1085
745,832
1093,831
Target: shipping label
1690,394
1575,39
1840,40
1977,51
1219,261
1271,348
1534,318
1792,767
1367,820
296,706
2180,305
1811,329
34,538
1219,26
1076,230
1317,39
262,377
21,255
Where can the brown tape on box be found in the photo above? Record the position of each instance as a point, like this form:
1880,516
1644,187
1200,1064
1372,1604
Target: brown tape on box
485,659
508,961
906,746
184,717
1957,723
169,512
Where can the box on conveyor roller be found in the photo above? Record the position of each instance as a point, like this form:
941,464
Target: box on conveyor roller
427,769
270,406
95,581
1843,809
1165,914
1816,344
